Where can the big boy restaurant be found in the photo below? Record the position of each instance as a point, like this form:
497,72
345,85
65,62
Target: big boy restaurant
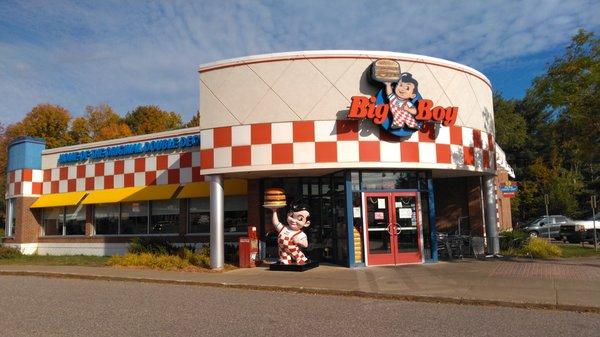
329,127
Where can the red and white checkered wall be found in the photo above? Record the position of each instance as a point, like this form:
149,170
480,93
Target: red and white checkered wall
177,168
271,146
341,143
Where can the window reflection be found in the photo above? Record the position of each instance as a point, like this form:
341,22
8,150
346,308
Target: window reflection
165,217
134,217
75,220
236,215
199,215
106,219
53,220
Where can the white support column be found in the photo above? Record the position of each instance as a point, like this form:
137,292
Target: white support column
217,225
489,202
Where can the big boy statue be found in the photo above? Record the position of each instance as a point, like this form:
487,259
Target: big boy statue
290,236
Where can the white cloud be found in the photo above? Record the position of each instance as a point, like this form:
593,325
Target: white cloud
130,53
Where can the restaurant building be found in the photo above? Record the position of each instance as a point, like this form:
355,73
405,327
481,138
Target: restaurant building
320,125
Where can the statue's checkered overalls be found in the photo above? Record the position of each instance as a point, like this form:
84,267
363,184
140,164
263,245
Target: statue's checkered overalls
400,114
287,243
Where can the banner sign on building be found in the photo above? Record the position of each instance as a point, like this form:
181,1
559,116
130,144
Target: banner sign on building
509,189
130,149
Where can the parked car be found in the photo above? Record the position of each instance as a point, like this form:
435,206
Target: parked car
590,235
589,222
573,233
588,226
544,224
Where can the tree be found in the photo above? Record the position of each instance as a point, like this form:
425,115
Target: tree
511,128
105,123
47,121
568,94
80,132
561,153
561,185
195,121
150,118
44,121
99,123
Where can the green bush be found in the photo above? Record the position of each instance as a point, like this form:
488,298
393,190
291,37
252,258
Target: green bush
540,248
154,261
198,260
152,246
160,254
184,253
511,241
9,252
184,259
2,232
201,258
204,250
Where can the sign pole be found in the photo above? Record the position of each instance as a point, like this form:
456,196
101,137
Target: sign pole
593,202
547,215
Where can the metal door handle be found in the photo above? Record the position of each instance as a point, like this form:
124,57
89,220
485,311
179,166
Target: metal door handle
389,229
398,228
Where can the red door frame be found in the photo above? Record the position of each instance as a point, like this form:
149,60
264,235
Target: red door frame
394,257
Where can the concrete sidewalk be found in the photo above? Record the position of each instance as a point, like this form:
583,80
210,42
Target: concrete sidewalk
572,284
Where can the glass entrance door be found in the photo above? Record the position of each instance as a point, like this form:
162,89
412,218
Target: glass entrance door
392,228
407,227
379,234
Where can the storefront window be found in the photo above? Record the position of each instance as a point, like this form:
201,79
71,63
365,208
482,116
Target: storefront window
134,218
326,199
389,180
53,219
106,219
75,220
199,215
236,214
426,224
357,214
165,217
423,176
339,219
11,218
355,179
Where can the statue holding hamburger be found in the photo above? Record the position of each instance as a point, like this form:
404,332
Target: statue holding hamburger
290,238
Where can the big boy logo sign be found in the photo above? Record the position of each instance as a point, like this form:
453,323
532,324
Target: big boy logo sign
398,107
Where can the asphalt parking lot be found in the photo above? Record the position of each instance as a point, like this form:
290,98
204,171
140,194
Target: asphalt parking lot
35,306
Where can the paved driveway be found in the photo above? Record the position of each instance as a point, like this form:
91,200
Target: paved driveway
34,306
570,284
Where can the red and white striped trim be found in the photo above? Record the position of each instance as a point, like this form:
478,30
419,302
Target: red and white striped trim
341,143
177,168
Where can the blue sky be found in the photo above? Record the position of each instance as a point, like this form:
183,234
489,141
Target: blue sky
129,53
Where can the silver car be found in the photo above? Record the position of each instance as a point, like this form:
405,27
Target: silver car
544,224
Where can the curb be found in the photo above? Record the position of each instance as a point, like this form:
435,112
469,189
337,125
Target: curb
313,291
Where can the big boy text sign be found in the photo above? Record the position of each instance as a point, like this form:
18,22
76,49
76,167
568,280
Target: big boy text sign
399,108
365,107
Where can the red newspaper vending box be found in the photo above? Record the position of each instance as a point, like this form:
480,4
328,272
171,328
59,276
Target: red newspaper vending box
248,248
244,251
